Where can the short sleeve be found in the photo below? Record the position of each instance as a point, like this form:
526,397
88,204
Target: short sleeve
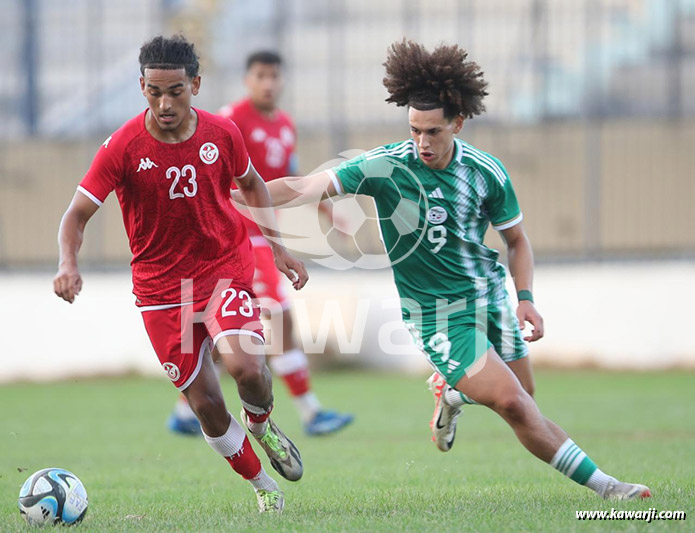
104,174
364,174
501,203
240,156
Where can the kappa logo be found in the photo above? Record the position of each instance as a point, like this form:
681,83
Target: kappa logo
107,141
209,153
172,371
146,164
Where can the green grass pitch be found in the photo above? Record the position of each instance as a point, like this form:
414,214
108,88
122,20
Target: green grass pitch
380,474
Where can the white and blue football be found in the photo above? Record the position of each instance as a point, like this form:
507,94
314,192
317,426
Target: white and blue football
53,496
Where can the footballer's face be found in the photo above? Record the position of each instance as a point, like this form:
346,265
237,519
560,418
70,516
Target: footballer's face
168,94
434,135
264,84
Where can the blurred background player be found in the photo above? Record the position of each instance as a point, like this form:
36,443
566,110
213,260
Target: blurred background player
172,167
461,319
270,136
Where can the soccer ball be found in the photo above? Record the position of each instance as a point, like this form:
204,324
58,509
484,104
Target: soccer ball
53,496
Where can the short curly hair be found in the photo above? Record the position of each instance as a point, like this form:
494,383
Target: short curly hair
169,54
430,80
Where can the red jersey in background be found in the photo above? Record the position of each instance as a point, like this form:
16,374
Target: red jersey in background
270,142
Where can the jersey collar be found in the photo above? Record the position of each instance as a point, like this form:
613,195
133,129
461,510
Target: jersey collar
455,160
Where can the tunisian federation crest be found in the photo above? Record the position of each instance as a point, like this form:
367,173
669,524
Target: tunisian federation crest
209,153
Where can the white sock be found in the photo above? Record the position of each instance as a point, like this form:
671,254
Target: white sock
257,428
263,482
230,443
452,397
308,405
598,482
455,398
288,362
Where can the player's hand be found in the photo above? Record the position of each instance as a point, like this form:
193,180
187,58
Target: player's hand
67,283
291,267
526,312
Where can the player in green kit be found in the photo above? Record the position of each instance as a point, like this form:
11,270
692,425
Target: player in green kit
436,197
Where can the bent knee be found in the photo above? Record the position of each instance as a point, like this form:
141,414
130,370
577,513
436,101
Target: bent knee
207,406
513,405
250,374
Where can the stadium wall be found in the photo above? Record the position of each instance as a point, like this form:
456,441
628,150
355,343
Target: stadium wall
617,316
629,193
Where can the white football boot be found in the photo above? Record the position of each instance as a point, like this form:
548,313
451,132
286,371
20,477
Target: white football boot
443,423
626,491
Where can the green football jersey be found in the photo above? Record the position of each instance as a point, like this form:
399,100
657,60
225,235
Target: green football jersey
433,222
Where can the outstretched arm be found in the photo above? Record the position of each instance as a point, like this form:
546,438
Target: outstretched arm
294,191
520,257
68,282
253,193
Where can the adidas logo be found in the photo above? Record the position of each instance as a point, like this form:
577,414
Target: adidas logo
453,365
437,193
146,164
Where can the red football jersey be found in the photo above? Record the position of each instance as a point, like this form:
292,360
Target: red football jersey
175,200
270,142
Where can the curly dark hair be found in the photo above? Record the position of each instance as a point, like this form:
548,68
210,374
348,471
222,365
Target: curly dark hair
430,80
169,54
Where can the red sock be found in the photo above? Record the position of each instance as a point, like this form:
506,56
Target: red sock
297,382
245,462
256,418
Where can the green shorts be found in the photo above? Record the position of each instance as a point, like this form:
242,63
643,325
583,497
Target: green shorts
452,348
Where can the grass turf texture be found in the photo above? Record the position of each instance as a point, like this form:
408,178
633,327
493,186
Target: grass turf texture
380,474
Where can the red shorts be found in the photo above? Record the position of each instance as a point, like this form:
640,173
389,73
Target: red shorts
267,279
180,334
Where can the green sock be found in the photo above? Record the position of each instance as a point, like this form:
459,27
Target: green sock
573,462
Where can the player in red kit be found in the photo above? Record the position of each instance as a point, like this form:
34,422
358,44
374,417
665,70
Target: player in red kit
172,168
269,135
